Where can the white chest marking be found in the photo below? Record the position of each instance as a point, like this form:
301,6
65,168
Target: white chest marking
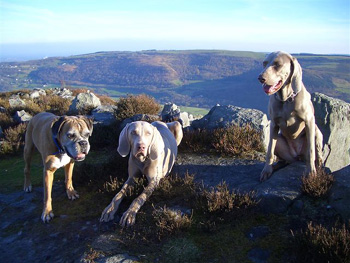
61,160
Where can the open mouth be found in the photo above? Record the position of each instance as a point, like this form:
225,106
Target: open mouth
80,157
273,88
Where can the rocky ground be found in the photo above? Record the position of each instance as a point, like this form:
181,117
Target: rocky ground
76,237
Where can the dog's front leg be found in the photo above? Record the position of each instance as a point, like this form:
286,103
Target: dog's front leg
153,175
129,216
47,214
111,209
267,171
310,138
68,171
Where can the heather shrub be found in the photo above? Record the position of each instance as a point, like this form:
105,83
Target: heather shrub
32,107
220,199
106,100
230,141
139,104
237,141
318,244
198,141
15,136
170,221
55,104
4,102
5,120
317,186
6,148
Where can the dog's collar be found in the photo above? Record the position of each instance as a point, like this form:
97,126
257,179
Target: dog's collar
290,98
58,145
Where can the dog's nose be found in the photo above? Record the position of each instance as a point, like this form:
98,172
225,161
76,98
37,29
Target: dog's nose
261,79
83,144
141,147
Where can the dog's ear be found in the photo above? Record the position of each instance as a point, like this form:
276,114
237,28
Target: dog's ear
89,121
124,143
57,125
156,147
296,79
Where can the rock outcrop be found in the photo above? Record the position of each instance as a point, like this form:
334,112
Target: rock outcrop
63,92
104,114
22,116
36,93
224,116
172,112
16,102
333,119
84,102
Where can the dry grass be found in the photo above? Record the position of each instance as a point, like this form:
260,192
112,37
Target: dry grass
4,102
170,221
140,104
6,121
219,199
15,137
198,141
105,100
318,244
231,141
55,104
237,141
319,185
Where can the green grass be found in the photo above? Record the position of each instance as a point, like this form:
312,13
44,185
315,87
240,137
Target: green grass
12,176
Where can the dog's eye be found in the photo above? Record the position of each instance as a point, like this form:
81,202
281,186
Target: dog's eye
86,135
70,135
148,133
133,133
276,64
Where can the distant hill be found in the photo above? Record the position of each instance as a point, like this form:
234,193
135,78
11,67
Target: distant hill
200,78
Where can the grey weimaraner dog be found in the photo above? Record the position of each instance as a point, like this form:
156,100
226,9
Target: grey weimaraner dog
294,134
153,149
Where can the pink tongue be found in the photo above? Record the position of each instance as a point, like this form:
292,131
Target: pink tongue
267,88
80,155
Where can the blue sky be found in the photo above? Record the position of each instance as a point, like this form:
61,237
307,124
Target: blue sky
60,27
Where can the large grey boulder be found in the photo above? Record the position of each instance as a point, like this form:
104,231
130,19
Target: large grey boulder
22,116
172,112
16,102
333,119
84,102
170,109
340,192
224,116
104,114
36,93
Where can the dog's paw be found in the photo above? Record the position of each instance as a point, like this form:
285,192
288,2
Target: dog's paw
72,194
28,188
266,172
46,216
108,213
128,218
